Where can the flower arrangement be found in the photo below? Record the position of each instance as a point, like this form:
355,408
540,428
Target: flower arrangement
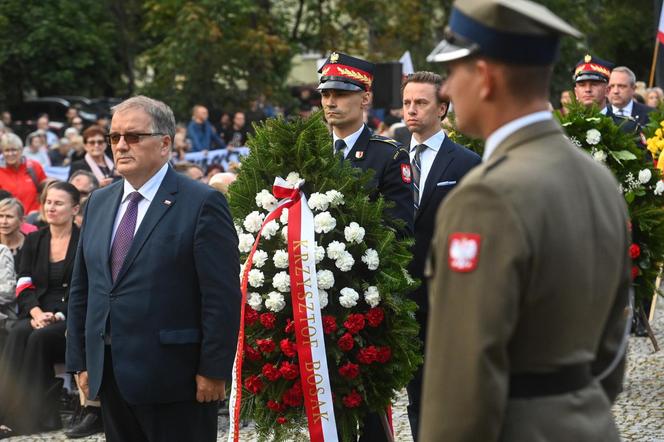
370,332
654,133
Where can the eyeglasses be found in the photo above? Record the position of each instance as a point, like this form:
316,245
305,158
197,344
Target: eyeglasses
97,142
129,137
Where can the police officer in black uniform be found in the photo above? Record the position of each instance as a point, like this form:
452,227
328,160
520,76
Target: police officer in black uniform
345,86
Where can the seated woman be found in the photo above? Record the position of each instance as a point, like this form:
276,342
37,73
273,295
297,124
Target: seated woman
95,159
11,219
28,387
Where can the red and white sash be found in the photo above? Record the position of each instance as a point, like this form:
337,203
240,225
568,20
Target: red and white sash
314,374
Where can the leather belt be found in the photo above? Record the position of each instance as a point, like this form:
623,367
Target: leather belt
565,379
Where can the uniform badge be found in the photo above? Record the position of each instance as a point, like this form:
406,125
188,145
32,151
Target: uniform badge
587,58
334,57
464,251
405,173
359,154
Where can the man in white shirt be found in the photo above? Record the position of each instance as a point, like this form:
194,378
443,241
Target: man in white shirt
438,164
622,87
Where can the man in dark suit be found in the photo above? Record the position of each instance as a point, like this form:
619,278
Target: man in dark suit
345,87
155,294
438,164
622,87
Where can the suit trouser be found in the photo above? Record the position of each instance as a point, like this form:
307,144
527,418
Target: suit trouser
176,422
29,390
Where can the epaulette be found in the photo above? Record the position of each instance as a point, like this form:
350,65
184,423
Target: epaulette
386,140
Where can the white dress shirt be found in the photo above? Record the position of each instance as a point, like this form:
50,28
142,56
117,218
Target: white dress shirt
427,156
501,134
626,111
147,191
350,140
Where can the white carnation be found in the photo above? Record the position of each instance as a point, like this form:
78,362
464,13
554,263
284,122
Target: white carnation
259,258
322,298
318,201
266,200
325,279
281,281
284,217
593,136
284,233
253,221
659,188
320,254
644,176
241,271
345,262
371,296
270,229
354,233
335,197
238,229
256,278
280,259
245,242
294,179
275,302
255,300
370,258
599,156
335,249
348,297
324,222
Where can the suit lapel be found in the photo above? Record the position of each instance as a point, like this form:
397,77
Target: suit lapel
440,165
158,207
358,152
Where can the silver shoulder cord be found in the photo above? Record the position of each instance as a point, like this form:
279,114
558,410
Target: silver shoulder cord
623,344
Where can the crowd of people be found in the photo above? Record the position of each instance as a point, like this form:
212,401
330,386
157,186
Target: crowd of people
138,159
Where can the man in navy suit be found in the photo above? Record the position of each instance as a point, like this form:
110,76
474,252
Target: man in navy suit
622,87
155,295
438,164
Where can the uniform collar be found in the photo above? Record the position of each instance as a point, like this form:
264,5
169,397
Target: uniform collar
350,140
434,142
501,134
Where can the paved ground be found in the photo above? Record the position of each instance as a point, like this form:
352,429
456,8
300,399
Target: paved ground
639,410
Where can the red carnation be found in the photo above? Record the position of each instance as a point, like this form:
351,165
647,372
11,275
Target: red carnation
375,316
346,342
293,396
349,370
290,326
289,371
271,372
266,345
281,420
354,323
268,320
251,353
329,324
250,315
367,355
275,406
635,272
352,400
253,384
288,347
634,251
384,354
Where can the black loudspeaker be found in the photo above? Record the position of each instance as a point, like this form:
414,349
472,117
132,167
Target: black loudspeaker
387,86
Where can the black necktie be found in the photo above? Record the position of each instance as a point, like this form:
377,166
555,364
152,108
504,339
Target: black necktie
339,146
417,171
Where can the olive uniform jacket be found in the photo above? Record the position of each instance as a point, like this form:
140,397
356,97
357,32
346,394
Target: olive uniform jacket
530,274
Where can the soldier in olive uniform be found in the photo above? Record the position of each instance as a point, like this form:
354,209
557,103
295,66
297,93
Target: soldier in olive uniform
530,281
345,87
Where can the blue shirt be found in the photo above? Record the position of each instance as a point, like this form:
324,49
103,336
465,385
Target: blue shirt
203,136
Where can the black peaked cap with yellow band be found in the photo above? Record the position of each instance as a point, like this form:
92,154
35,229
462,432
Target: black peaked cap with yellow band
511,31
347,73
593,69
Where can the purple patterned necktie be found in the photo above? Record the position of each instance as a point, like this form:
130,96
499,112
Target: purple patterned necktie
124,235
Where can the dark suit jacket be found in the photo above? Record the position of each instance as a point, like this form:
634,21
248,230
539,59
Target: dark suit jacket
34,265
174,309
452,162
640,113
388,158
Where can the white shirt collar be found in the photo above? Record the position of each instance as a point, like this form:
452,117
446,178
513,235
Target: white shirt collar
501,134
149,189
350,139
627,109
434,142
